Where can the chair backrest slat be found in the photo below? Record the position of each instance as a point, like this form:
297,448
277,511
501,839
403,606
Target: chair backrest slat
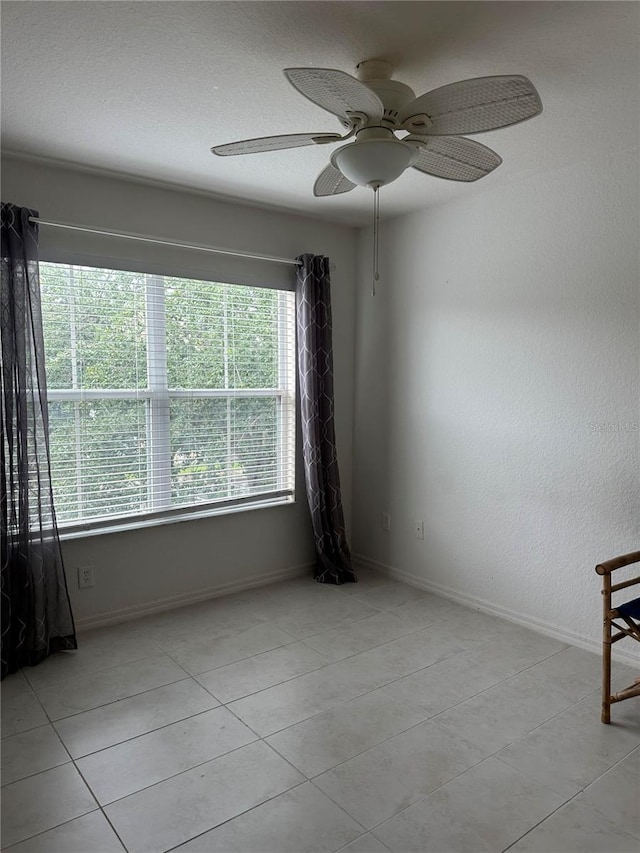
625,584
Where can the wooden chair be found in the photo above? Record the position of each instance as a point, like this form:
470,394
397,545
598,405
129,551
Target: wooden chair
627,613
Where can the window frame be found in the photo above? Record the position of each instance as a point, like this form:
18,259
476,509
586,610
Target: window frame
157,397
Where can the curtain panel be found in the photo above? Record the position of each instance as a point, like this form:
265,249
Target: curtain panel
36,612
315,371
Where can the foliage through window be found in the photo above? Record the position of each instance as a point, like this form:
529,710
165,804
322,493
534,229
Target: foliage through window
165,393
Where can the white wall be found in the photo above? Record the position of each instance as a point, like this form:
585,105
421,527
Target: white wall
178,561
498,392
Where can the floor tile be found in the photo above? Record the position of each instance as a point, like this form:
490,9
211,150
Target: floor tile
90,833
109,685
261,671
205,620
275,600
302,820
187,805
365,844
300,698
504,713
128,767
43,801
364,634
21,710
98,649
390,594
334,736
406,654
472,628
102,727
616,794
444,684
573,749
136,764
367,580
574,673
306,620
31,752
428,610
511,652
575,828
202,657
381,782
486,808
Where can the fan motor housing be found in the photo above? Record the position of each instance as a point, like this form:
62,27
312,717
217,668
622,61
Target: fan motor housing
376,74
393,94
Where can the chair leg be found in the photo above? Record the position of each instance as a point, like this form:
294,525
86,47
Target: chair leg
606,673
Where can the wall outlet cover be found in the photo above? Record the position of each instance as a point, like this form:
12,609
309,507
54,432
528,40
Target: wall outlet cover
85,577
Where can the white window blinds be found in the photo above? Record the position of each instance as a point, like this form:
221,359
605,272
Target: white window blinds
165,393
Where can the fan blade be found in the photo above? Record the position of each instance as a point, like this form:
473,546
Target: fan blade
473,106
335,91
274,143
454,158
331,181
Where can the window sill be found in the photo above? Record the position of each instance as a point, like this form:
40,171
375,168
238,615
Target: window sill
123,524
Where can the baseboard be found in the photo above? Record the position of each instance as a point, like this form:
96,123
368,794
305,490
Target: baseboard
125,614
539,625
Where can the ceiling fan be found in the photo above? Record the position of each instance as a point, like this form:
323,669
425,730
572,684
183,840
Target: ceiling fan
373,108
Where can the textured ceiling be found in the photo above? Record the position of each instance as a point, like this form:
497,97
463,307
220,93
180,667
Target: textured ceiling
146,88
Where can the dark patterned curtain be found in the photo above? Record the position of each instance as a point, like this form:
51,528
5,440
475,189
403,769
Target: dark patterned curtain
315,369
36,613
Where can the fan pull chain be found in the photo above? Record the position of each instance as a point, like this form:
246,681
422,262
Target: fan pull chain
376,238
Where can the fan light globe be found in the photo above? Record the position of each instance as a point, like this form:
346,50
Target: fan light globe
373,162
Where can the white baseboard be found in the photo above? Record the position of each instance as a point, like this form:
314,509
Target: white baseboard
125,614
534,624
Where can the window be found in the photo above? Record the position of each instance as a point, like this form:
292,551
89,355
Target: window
165,394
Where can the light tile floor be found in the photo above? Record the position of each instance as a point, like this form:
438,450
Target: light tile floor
300,717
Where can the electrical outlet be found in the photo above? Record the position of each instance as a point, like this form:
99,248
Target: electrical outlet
85,577
418,527
385,520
